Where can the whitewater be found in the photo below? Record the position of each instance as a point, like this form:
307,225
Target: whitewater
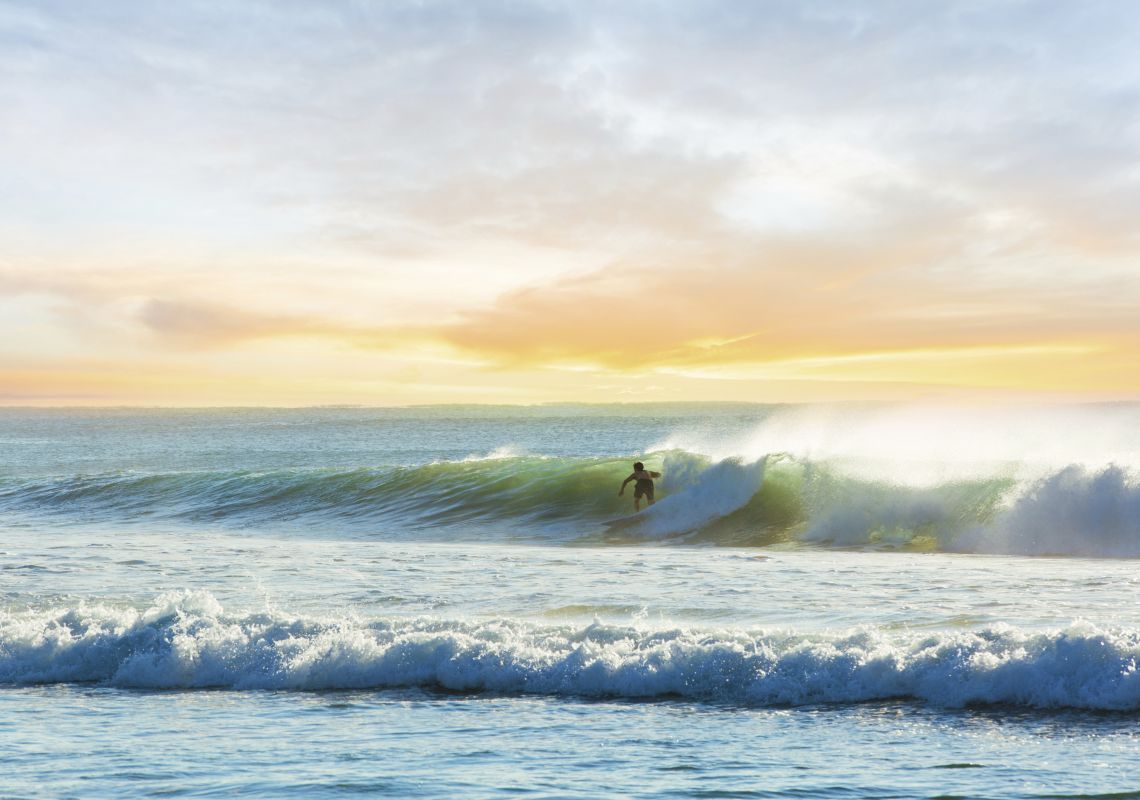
825,601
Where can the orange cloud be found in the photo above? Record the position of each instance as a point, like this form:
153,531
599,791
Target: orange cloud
795,309
776,304
195,324
199,324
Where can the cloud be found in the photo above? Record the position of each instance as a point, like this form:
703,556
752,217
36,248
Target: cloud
196,324
635,186
791,299
412,126
210,325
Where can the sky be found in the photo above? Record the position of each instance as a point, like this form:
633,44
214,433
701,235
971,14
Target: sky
390,203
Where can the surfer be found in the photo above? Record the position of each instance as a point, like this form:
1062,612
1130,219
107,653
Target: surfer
644,485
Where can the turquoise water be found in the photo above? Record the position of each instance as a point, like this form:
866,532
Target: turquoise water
826,602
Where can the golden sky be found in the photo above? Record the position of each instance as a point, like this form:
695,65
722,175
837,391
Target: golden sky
516,202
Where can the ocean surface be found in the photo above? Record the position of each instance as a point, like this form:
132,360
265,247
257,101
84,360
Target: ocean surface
849,601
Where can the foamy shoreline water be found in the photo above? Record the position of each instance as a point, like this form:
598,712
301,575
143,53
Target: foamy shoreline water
187,641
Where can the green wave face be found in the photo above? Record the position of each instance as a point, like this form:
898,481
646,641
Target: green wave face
523,491
773,500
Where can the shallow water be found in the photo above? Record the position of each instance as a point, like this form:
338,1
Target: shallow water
88,741
233,634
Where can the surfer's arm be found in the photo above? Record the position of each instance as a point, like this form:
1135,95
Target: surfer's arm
621,491
654,474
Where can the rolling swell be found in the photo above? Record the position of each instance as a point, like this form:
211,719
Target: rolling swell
188,641
1072,511
529,496
520,489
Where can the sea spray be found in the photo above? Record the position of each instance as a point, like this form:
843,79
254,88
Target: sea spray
1075,511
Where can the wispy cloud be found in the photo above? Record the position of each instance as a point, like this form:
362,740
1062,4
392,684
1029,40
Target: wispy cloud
206,325
625,187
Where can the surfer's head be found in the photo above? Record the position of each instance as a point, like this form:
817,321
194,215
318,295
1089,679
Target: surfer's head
638,466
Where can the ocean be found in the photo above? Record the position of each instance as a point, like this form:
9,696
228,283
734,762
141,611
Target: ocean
848,601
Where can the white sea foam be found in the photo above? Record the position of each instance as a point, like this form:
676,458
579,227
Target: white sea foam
1074,511
189,641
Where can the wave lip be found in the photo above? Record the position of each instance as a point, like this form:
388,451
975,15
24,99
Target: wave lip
188,641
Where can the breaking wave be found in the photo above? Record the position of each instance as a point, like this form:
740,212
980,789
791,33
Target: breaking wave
1070,511
544,497
188,641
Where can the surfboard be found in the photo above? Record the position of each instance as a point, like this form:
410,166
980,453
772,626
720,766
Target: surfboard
623,522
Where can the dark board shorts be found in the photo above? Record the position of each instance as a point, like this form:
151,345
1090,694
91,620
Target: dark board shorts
643,487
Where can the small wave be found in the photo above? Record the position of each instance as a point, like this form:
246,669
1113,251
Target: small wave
188,641
499,453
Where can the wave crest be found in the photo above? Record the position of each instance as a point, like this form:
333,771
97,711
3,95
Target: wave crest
187,641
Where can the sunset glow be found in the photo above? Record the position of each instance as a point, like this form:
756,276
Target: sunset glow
452,202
